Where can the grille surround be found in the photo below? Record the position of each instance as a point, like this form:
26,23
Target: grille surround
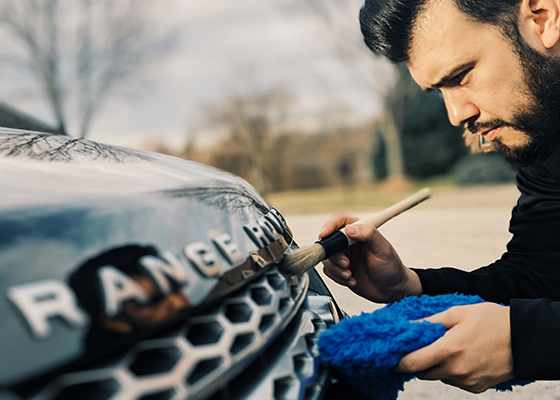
201,358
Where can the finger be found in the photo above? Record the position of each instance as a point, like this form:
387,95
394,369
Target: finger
434,354
371,237
340,260
423,359
351,282
334,224
339,275
477,388
335,270
435,373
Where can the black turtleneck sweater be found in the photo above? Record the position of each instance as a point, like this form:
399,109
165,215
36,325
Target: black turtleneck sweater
527,277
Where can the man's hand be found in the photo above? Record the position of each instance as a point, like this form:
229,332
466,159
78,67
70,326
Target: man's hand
370,267
475,352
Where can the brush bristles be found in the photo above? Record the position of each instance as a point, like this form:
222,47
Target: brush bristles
303,259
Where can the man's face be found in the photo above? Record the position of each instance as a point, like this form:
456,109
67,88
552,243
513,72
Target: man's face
484,84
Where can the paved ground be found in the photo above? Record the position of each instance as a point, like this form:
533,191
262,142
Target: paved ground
464,228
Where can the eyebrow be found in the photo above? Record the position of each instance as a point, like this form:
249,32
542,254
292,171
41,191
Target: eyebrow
450,75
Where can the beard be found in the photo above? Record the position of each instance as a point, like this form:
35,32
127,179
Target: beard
541,120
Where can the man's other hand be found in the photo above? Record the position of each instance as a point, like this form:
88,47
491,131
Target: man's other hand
475,352
371,267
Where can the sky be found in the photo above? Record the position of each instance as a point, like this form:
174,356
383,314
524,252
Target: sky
223,47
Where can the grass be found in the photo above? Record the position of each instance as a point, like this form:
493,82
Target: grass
349,198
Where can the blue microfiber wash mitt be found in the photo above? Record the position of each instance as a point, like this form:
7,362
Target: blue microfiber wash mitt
362,349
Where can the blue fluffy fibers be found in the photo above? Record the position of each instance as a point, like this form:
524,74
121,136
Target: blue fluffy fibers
363,348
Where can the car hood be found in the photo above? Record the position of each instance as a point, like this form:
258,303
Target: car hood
72,210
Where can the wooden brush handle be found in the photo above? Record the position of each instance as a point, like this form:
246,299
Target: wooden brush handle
378,219
339,241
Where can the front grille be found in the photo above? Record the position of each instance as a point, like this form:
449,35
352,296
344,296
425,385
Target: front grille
288,370
258,343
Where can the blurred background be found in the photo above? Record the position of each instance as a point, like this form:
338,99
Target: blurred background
281,92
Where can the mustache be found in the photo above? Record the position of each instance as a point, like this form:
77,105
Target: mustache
478,127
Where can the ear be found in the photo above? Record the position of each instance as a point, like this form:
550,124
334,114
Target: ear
539,20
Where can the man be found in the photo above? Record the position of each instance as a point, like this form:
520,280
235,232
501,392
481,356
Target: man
497,66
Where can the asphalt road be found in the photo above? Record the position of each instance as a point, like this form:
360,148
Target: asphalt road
463,228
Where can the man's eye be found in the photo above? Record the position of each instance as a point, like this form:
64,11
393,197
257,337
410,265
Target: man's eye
457,79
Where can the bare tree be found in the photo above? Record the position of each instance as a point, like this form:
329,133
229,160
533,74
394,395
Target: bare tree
251,119
391,84
82,50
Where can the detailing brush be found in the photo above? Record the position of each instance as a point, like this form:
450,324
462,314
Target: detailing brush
302,260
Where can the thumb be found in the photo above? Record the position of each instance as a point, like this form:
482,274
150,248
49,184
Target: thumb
370,237
334,224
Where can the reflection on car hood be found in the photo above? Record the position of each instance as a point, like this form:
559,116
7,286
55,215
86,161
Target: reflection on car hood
101,245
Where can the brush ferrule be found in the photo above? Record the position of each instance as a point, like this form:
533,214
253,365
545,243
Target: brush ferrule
334,243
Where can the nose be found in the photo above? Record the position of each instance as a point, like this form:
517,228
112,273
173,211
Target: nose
459,107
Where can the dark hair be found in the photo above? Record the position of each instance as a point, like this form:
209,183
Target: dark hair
387,24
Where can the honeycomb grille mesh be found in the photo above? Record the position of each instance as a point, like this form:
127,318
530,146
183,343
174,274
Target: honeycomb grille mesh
209,353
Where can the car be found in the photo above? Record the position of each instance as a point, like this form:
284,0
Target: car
127,274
